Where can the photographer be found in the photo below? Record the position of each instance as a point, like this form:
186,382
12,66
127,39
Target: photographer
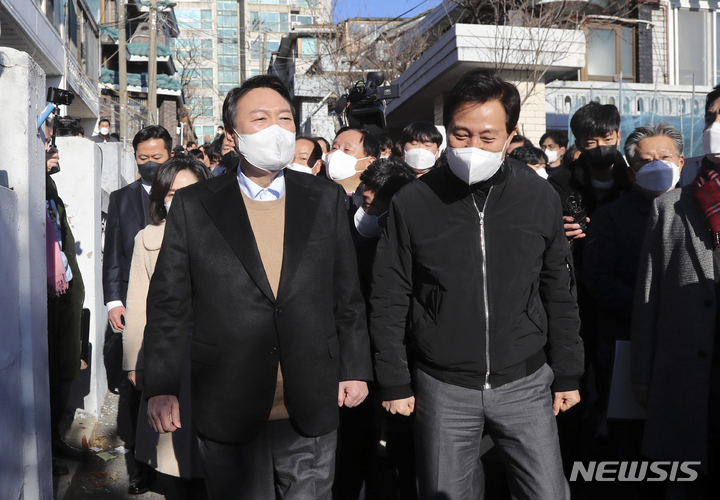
66,294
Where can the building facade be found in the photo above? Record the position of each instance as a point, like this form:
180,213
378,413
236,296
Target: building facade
63,38
224,42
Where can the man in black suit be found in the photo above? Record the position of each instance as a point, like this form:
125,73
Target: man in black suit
127,215
103,132
280,339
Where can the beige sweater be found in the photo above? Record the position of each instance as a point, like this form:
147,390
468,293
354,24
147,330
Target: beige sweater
267,219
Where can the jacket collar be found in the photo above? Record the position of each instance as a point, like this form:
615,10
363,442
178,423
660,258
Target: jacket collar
226,208
153,236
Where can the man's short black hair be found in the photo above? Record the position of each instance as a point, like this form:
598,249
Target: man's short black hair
559,137
422,132
371,145
327,143
221,127
272,82
104,119
153,132
595,120
385,142
521,138
214,150
385,176
316,151
480,86
197,154
190,143
529,155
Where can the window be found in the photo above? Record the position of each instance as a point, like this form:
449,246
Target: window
202,131
296,19
271,2
194,19
693,53
227,80
198,77
202,106
192,48
308,47
254,72
610,52
269,21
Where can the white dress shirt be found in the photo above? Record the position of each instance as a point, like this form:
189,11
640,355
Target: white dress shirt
274,191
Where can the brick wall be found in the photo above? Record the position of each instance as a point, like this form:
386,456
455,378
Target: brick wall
644,46
659,45
168,119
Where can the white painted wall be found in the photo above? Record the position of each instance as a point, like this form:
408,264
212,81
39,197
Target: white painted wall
11,428
79,186
22,98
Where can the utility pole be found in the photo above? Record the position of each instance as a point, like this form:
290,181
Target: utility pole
122,64
263,48
152,65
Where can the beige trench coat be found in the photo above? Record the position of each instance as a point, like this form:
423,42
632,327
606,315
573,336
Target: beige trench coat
173,453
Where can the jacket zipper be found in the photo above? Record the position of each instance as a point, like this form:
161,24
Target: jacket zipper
481,215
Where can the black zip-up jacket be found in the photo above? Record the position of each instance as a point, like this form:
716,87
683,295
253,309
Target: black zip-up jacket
445,244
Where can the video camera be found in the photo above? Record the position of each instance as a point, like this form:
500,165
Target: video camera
364,104
57,97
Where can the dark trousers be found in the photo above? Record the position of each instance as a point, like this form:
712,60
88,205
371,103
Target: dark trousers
449,424
62,351
278,464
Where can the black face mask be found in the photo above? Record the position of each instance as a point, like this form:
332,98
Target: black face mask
601,157
230,160
148,170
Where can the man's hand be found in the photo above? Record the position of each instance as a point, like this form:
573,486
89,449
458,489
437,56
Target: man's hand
641,394
572,230
137,378
114,315
352,392
402,406
565,400
164,413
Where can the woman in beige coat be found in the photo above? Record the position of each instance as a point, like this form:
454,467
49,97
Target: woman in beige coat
173,454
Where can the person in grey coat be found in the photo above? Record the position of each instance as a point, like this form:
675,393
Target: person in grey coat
675,366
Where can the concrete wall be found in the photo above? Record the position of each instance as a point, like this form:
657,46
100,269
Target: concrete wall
11,428
22,98
532,113
117,167
79,186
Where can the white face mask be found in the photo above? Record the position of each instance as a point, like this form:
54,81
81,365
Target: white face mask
104,131
542,172
367,225
711,142
473,165
167,206
300,168
341,166
551,155
658,176
419,158
271,149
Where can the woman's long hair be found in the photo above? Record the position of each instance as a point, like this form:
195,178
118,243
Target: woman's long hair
163,182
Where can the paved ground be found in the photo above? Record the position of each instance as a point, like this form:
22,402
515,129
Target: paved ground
98,478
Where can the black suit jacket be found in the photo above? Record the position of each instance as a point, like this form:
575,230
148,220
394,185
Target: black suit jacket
127,215
316,328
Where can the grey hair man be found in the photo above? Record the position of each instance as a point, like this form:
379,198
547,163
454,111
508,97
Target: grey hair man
612,249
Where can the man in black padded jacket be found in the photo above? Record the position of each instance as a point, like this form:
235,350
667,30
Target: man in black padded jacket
475,257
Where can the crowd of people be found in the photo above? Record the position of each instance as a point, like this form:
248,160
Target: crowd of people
304,318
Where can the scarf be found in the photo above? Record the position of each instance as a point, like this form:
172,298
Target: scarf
56,279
